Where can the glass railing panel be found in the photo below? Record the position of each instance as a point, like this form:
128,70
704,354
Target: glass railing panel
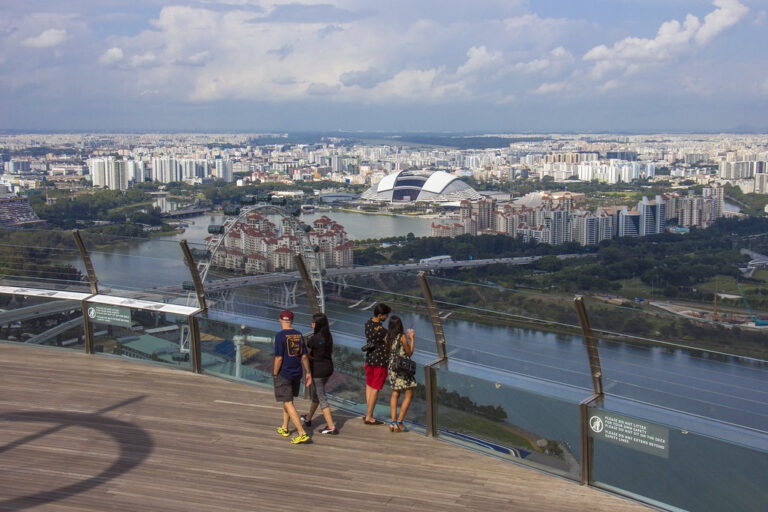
639,363
219,344
674,467
150,266
40,258
515,330
36,319
485,412
142,333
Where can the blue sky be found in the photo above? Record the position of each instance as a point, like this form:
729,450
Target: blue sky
434,65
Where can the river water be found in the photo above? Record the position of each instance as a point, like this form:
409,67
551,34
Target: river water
731,390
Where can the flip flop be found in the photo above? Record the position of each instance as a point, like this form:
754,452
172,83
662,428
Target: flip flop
374,422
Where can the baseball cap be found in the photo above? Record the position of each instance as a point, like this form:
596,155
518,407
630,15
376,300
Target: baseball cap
286,315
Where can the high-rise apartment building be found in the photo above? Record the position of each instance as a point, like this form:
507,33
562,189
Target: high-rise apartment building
652,216
97,168
224,170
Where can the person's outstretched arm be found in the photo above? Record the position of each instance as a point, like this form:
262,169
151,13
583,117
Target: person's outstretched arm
407,344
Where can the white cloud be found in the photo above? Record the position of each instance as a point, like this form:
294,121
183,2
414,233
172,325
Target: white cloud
144,59
48,39
479,59
555,61
759,20
549,87
672,39
729,13
610,85
111,56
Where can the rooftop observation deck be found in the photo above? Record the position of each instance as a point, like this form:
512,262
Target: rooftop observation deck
97,433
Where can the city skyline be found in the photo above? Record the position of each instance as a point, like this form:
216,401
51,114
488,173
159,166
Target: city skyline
240,65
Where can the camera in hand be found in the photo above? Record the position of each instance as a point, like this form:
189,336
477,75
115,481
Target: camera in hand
367,347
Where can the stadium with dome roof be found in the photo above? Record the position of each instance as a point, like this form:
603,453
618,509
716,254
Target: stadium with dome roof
420,186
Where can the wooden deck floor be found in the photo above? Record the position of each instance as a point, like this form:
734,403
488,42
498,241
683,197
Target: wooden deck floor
91,433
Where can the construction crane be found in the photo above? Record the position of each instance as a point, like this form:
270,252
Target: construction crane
758,322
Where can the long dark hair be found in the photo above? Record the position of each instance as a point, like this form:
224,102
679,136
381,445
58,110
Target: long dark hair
395,329
322,326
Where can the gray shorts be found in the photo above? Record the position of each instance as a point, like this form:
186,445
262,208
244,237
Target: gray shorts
286,389
317,390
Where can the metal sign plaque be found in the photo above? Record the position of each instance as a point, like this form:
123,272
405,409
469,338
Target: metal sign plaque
111,315
629,432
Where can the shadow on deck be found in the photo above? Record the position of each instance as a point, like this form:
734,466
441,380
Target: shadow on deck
82,432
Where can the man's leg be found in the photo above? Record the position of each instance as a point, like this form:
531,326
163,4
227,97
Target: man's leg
290,410
285,417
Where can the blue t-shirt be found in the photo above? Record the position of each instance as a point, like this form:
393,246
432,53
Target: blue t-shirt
289,343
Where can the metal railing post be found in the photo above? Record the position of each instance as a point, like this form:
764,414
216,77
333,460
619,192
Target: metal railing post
195,347
88,340
587,446
596,372
94,284
430,384
430,370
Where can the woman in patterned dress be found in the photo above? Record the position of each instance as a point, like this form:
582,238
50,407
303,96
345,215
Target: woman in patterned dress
401,345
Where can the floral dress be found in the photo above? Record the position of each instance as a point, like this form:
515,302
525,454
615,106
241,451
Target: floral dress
398,381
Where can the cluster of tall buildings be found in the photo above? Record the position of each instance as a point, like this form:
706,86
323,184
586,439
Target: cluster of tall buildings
554,219
115,173
255,244
119,173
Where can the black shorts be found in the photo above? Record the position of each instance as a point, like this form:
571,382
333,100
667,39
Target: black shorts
286,389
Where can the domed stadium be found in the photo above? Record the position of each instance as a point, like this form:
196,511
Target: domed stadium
422,186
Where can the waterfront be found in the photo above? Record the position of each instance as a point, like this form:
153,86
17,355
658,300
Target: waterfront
157,261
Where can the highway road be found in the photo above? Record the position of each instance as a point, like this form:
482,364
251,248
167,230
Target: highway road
282,277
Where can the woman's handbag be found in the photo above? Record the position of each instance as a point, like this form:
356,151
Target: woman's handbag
404,366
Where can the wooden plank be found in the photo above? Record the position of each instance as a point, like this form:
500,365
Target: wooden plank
169,440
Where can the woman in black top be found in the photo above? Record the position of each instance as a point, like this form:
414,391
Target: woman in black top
320,346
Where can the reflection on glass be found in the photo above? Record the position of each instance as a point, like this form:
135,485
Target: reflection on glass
41,321
694,472
531,428
145,335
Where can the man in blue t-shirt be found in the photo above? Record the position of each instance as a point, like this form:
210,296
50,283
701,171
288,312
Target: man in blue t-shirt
290,357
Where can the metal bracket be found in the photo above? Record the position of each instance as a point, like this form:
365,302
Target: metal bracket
590,342
434,315
311,295
87,262
196,281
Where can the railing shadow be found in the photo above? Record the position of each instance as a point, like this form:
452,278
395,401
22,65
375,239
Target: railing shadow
134,444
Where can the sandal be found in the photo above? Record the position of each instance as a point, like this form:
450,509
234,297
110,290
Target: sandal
401,426
393,426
